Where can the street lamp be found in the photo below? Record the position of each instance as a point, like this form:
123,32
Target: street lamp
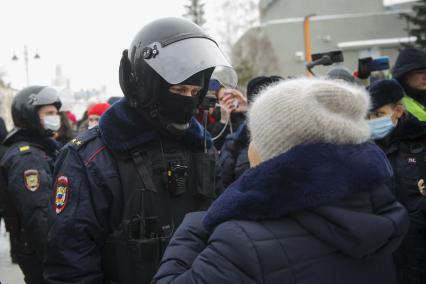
15,58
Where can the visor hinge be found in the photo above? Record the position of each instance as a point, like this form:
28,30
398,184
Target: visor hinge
149,52
32,99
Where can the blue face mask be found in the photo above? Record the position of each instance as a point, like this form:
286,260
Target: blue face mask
381,127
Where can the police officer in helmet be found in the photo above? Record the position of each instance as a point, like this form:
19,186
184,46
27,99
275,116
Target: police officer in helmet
26,171
122,187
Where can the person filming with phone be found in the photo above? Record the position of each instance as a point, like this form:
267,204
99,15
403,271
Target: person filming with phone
233,106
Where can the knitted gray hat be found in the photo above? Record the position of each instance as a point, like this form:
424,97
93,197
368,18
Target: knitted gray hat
303,111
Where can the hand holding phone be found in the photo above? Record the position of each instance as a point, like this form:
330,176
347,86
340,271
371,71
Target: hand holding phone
234,101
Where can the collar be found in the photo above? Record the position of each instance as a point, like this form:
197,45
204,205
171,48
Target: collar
122,129
307,176
408,128
48,144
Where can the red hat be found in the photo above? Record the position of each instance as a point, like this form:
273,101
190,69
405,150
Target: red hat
98,109
71,117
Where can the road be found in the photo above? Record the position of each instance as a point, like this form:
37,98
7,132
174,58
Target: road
9,272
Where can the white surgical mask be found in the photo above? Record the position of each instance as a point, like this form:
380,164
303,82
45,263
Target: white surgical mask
92,124
52,122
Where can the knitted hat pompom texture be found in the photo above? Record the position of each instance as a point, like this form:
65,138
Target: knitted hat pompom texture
305,111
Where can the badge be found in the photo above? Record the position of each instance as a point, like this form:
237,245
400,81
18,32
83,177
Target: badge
24,148
32,180
76,141
61,194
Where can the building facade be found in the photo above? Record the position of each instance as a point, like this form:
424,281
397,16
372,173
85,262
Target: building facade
359,28
6,98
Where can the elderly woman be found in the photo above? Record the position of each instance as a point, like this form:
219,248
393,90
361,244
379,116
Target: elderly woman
313,208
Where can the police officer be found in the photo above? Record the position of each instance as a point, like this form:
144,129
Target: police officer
26,170
403,139
121,188
410,71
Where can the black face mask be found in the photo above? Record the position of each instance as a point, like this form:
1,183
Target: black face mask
177,108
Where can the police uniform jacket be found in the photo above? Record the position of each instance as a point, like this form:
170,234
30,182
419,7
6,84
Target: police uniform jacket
88,203
406,150
27,172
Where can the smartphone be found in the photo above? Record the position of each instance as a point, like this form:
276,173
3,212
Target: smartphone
228,92
367,65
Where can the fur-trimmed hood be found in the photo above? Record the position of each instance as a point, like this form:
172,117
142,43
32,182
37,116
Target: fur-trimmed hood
123,128
307,176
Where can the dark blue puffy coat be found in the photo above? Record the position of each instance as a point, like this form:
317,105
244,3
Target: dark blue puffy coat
316,214
233,157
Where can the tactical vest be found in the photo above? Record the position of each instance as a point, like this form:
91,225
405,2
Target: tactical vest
161,181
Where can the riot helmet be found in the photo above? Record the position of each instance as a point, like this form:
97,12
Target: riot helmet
26,104
168,52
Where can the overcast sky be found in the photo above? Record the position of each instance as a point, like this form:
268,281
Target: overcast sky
86,37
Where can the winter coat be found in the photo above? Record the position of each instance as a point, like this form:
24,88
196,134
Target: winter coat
219,133
319,213
26,185
26,168
233,157
88,205
405,147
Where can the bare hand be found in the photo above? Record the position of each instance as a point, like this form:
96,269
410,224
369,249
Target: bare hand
421,186
234,101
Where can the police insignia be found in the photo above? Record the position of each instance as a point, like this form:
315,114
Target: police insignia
24,148
61,194
32,180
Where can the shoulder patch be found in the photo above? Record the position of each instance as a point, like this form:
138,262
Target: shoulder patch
61,194
85,137
76,142
32,180
25,148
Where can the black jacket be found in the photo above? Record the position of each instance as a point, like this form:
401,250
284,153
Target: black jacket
402,148
405,148
316,214
26,169
219,132
233,157
91,210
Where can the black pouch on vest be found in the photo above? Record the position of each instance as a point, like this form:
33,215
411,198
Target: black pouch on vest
138,259
204,174
177,174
